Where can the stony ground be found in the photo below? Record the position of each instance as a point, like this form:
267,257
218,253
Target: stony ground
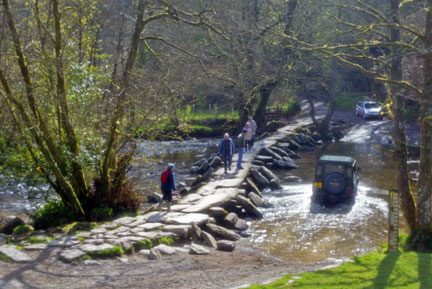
217,270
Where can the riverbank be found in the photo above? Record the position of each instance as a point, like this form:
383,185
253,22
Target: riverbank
215,270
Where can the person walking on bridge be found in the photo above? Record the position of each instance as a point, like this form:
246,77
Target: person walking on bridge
226,150
240,145
253,127
248,136
167,186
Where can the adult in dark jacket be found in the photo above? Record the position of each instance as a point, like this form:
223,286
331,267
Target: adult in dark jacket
240,146
227,149
167,186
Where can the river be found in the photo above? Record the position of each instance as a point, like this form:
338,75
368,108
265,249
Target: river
292,229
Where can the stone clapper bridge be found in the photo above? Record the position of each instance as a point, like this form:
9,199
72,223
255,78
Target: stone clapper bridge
208,216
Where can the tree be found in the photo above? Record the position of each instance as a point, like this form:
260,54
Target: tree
57,147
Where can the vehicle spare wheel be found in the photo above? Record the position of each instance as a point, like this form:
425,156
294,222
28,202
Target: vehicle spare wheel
334,183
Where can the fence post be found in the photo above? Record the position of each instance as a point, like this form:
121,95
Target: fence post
393,232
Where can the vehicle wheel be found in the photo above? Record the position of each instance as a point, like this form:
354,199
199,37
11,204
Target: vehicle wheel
334,183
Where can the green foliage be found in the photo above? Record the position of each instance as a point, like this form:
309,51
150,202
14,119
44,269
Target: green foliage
101,213
143,244
347,101
166,240
116,251
38,240
291,107
74,227
53,214
85,257
274,125
22,229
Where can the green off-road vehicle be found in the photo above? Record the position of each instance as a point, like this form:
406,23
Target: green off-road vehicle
336,180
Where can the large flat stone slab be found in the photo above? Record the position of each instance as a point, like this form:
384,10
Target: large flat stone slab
151,226
217,199
185,219
71,255
124,221
180,230
12,252
90,248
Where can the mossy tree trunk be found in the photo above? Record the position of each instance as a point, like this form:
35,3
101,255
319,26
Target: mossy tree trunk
265,91
424,189
399,134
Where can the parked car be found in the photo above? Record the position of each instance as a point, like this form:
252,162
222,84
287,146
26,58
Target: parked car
336,180
368,109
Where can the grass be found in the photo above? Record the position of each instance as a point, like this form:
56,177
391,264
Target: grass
78,226
201,115
166,240
22,229
143,244
37,240
374,271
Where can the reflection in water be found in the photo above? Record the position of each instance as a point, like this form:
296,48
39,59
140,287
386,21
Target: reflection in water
296,230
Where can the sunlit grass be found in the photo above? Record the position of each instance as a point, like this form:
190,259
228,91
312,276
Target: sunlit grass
374,270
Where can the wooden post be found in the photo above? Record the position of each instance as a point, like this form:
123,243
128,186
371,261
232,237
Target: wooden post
393,232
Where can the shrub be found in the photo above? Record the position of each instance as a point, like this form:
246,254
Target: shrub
53,214
101,213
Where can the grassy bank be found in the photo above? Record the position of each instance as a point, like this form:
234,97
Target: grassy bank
374,270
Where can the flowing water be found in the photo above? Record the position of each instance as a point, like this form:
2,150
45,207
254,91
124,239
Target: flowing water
293,228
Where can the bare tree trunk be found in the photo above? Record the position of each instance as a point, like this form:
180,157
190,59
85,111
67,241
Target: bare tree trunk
324,126
77,173
399,134
110,149
40,132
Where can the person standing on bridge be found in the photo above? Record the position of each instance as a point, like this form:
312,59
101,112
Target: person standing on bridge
240,145
248,136
167,186
226,150
253,127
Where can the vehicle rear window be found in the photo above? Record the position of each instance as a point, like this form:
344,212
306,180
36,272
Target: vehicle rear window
371,105
349,172
334,168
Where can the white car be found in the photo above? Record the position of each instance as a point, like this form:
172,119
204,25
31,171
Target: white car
368,109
